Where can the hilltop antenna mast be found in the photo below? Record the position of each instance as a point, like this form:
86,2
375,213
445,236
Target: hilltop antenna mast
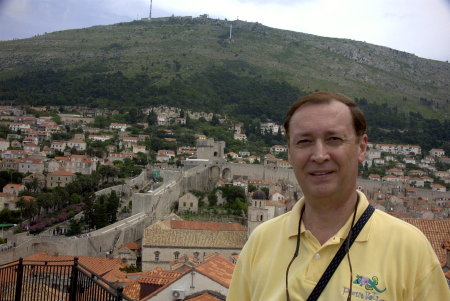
150,15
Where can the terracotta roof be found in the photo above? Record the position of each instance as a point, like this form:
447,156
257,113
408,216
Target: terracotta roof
78,156
77,141
156,277
437,232
133,290
131,245
115,275
13,186
98,265
196,225
160,234
62,158
206,296
217,268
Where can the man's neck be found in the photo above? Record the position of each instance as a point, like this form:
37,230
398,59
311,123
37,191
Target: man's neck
325,219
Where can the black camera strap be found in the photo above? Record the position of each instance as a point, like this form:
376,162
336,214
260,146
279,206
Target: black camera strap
326,276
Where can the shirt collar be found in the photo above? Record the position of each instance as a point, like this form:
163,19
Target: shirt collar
343,232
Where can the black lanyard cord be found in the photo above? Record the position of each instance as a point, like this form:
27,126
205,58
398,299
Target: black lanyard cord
354,231
297,249
326,276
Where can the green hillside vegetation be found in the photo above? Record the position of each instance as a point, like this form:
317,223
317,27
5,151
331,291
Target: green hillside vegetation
147,62
253,77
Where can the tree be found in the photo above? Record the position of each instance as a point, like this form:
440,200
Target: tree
134,115
100,215
141,159
44,200
107,172
231,193
74,227
28,207
112,206
60,197
9,216
215,120
33,185
21,205
152,118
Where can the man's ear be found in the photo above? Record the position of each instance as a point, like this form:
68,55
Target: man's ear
362,148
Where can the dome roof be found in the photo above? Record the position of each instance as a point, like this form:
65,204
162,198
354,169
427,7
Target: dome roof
259,195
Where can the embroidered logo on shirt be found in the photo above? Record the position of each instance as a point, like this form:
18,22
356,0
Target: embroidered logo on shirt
369,283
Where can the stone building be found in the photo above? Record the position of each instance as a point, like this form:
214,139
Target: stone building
207,280
211,150
129,253
167,240
257,211
35,178
188,203
59,178
262,208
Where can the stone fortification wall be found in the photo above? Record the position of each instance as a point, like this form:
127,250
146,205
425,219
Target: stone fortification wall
264,172
126,189
98,243
159,202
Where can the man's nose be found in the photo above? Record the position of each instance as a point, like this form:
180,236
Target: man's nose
320,152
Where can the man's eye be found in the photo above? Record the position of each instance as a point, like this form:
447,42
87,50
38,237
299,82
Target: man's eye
303,142
335,140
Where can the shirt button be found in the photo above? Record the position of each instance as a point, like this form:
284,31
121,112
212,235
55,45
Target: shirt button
317,256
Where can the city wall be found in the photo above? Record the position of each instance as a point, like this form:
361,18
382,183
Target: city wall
126,189
155,204
256,171
160,202
101,242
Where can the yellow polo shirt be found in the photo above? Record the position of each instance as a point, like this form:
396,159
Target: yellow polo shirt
391,261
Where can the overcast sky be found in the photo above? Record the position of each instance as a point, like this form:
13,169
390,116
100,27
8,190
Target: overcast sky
421,27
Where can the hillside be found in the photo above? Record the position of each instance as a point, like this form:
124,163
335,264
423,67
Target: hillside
193,63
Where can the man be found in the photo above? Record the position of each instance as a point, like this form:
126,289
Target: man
285,257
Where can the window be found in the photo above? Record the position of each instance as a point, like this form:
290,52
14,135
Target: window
157,256
192,204
196,254
176,255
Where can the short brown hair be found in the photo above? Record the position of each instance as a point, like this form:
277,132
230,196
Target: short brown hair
359,120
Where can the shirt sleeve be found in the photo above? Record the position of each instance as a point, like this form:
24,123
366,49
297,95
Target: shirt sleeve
433,286
430,283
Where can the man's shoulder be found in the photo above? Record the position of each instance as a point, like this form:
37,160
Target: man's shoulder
386,223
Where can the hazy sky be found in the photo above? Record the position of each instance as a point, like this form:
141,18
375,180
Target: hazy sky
421,27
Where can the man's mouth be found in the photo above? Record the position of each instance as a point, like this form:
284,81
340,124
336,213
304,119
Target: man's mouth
320,173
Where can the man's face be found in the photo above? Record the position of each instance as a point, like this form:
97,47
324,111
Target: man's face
324,150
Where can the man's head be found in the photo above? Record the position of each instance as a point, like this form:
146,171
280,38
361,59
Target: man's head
326,140
359,121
